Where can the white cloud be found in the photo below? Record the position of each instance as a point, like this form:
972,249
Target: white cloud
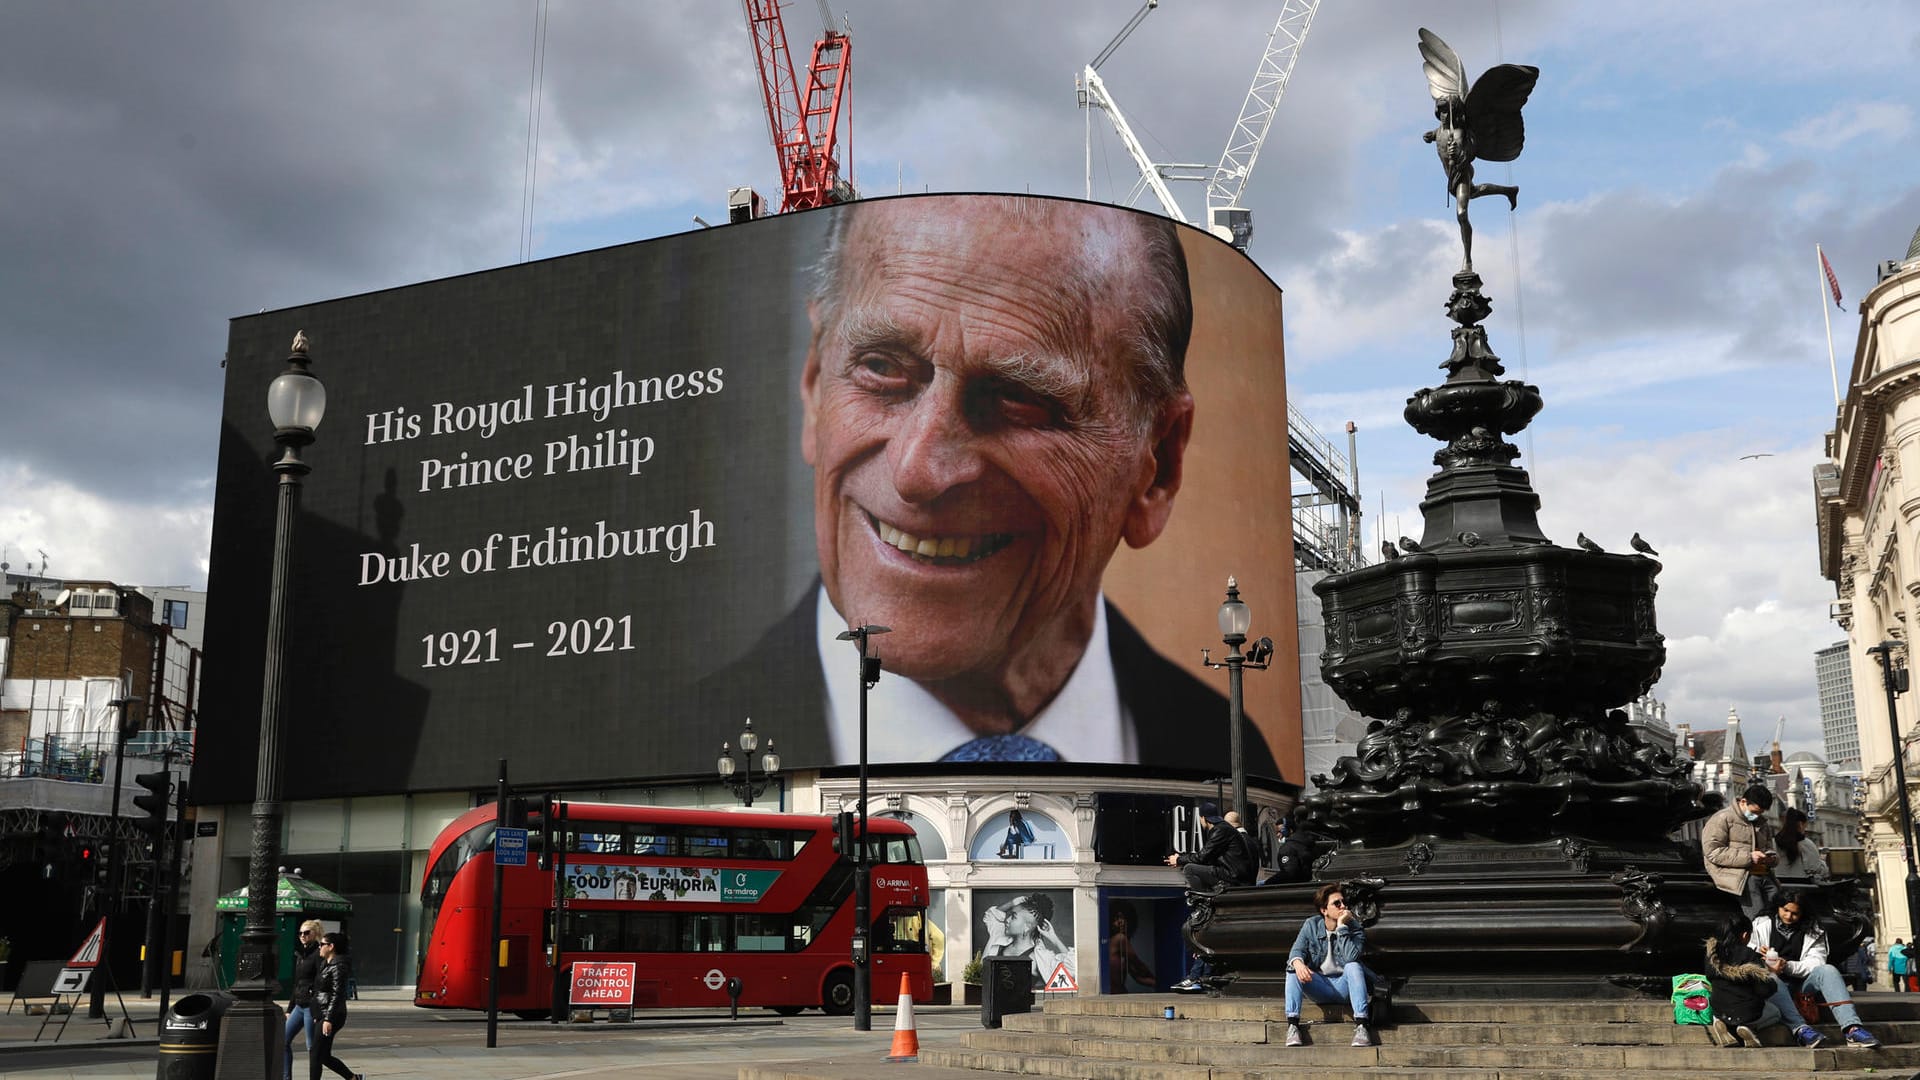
1885,121
85,535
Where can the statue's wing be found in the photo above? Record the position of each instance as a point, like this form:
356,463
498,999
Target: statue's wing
1446,77
1493,111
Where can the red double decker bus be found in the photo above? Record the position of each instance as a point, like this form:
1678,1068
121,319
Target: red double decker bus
695,897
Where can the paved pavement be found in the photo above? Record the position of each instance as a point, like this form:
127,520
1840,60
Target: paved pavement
389,1039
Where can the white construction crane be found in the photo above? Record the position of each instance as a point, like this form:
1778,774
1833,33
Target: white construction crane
1227,181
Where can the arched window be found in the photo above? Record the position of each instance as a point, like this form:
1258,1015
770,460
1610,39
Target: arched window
1031,836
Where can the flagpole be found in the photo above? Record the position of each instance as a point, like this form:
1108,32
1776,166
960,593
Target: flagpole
1833,368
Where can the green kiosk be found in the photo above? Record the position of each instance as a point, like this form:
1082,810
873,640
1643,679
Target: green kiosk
295,901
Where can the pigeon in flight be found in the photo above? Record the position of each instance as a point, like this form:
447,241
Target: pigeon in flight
1641,546
1588,545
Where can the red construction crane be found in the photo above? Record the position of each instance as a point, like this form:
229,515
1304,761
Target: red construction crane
805,129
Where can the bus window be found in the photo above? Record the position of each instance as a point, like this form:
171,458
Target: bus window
649,841
704,843
597,839
760,933
652,931
900,930
705,933
593,931
894,849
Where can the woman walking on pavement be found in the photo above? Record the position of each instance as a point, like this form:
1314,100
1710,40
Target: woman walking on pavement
306,972
330,1007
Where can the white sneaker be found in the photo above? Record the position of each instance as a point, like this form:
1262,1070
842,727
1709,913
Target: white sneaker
1361,1036
1293,1036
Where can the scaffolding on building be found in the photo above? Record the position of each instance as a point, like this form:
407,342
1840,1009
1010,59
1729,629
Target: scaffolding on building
1326,504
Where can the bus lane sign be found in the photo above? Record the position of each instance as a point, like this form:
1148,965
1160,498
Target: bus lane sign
603,984
510,847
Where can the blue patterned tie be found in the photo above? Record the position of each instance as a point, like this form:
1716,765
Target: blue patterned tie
1003,748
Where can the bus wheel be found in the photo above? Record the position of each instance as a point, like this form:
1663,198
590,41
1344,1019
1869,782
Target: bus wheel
532,1014
788,1010
837,998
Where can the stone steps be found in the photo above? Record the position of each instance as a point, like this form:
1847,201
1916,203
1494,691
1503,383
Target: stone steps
1218,1038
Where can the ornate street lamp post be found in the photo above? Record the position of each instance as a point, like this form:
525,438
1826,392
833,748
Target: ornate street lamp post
1235,618
295,402
740,779
862,886
1895,680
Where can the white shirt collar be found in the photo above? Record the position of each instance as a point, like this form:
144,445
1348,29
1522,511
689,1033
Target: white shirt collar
1086,721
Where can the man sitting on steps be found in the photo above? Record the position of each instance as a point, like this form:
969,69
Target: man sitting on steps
1325,959
1225,858
1795,949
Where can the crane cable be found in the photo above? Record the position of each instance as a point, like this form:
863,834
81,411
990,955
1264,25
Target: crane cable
1513,256
536,91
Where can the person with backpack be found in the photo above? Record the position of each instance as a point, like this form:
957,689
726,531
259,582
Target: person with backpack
1897,964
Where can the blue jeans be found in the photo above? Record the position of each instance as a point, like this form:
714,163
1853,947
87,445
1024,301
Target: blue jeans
1350,985
1826,984
298,1017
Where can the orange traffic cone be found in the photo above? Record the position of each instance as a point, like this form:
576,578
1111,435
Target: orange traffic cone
906,1042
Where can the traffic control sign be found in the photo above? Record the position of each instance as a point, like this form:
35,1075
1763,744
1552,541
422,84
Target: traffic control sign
88,954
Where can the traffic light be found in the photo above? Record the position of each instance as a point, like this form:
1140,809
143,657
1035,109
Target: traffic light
159,787
93,868
843,833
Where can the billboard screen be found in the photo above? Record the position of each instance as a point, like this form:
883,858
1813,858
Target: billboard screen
592,513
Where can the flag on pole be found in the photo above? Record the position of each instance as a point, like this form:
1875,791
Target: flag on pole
1833,283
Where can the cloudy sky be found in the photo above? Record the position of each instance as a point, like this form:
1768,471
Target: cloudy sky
170,166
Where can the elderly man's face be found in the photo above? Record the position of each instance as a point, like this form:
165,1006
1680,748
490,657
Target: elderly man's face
976,455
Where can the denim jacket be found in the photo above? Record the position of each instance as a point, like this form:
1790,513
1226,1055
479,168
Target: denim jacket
1311,943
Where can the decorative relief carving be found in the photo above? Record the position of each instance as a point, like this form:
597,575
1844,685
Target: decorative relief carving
1486,612
1418,856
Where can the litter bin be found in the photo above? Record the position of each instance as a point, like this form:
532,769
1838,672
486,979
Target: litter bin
1007,988
190,1036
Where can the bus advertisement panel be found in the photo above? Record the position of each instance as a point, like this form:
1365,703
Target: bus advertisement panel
591,512
689,899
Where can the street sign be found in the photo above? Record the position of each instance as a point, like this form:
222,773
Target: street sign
603,985
510,847
88,954
72,980
1062,981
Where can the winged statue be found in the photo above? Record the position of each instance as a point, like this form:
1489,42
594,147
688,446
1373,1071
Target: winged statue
1481,122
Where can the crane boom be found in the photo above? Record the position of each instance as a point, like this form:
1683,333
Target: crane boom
1097,96
1249,133
804,128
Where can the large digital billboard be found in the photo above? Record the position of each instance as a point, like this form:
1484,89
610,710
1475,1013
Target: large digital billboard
591,513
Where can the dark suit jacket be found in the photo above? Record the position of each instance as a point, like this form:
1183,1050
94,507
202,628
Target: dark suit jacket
1179,721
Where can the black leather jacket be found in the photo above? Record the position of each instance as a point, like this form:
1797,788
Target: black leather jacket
306,971
330,991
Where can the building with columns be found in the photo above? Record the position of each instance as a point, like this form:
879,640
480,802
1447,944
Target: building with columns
1866,516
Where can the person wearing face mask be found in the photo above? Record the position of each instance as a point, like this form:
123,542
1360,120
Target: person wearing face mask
1737,844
